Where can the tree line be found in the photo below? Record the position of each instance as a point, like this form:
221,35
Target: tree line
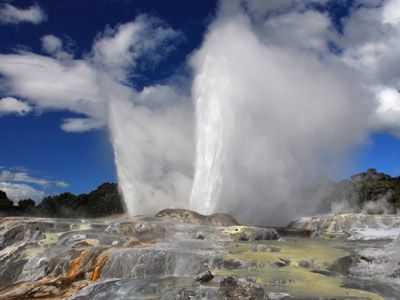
103,201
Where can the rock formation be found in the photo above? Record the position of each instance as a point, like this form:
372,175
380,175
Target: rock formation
163,257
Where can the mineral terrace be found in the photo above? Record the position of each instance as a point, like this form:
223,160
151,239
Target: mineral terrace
179,254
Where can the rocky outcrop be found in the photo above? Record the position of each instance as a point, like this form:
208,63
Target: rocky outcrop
191,217
368,192
234,288
353,226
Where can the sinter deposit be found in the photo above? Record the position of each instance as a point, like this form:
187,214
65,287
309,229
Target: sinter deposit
180,254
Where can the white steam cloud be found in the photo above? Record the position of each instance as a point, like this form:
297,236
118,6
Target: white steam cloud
269,119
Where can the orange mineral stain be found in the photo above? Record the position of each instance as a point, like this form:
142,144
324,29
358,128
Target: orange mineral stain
97,270
76,264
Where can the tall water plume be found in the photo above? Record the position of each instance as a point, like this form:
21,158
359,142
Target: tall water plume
213,134
270,120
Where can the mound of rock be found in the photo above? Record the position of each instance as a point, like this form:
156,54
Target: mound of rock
353,226
192,217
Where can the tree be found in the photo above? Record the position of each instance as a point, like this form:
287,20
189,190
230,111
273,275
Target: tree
26,204
5,203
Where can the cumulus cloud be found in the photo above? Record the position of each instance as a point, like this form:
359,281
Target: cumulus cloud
118,49
391,12
388,111
54,46
51,43
50,84
370,40
22,177
17,191
61,184
10,105
63,83
25,177
10,14
308,30
19,184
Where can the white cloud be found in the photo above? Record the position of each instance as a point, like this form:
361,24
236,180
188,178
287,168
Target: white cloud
10,105
370,45
21,185
10,14
309,30
117,50
391,12
260,10
61,184
22,177
16,191
25,177
54,46
78,85
388,111
81,124
51,44
50,84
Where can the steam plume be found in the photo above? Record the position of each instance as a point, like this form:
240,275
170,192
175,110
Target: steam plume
269,120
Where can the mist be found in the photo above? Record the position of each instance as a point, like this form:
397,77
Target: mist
270,121
272,113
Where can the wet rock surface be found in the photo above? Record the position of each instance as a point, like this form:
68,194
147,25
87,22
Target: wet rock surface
350,226
180,254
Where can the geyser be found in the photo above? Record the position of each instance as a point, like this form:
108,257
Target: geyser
269,120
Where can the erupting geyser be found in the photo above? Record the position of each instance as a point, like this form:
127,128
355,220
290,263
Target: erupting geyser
212,134
269,119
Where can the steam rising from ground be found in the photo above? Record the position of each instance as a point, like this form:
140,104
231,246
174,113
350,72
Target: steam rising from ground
153,149
150,130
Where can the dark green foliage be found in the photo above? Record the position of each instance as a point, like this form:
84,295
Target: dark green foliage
5,203
369,186
373,186
103,201
26,204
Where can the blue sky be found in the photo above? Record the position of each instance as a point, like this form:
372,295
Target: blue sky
33,143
